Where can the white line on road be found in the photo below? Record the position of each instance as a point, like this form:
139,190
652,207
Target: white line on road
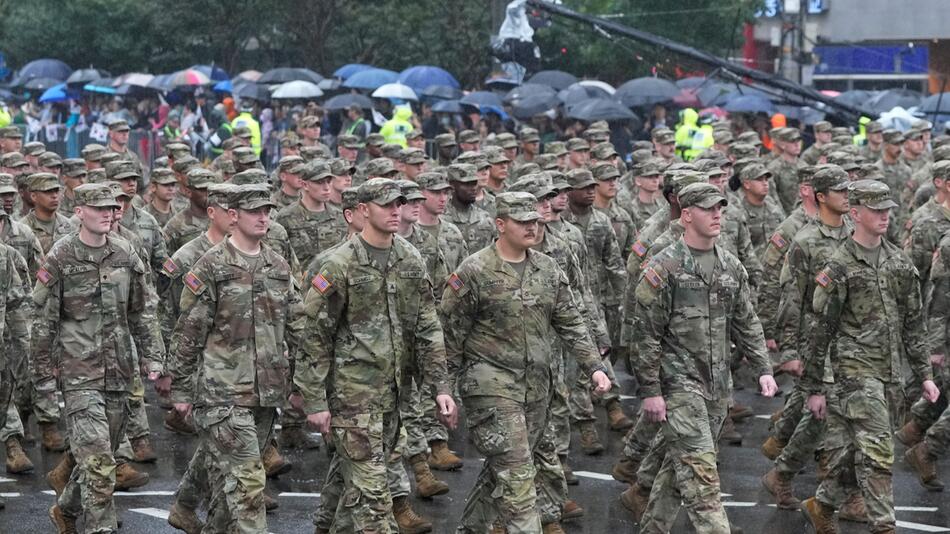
916,508
132,493
921,527
6,480
738,504
627,397
598,476
767,416
9,495
298,494
156,512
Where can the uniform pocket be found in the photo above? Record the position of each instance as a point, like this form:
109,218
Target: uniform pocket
487,431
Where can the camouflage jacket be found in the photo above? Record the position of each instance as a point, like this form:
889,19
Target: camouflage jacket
61,226
896,176
623,226
370,329
311,232
161,218
19,237
14,308
762,222
639,212
184,227
146,227
172,272
784,183
687,324
95,321
230,345
278,239
937,300
608,270
735,237
928,209
476,225
499,326
283,199
451,243
773,258
428,246
67,205
650,231
925,237
871,314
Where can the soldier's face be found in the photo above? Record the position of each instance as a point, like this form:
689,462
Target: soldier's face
579,158
355,219
435,201
7,200
823,137
704,221
291,180
130,186
559,202
341,182
119,137
199,197
665,150
583,197
468,147
220,219
517,234
46,201
650,184
498,171
544,208
409,212
385,218
893,150
72,182
165,192
465,192
251,223
319,190
483,174
606,188
872,221
411,170
875,138
836,201
96,220
511,153
349,154
793,148
758,188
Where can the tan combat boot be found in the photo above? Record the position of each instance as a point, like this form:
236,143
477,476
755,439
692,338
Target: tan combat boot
270,503
552,528
910,434
772,448
63,523
142,450
776,415
295,437
407,519
176,423
59,476
625,470
853,509
17,462
740,412
571,510
616,419
590,441
184,519
820,516
922,462
441,458
635,499
52,439
569,476
126,477
781,488
274,464
427,486
730,435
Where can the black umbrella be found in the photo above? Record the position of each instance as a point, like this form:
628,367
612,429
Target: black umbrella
929,104
440,92
600,109
749,104
251,90
740,92
528,107
527,90
161,82
556,79
81,77
578,93
482,98
41,84
42,68
346,100
892,98
691,82
856,97
288,74
447,106
646,91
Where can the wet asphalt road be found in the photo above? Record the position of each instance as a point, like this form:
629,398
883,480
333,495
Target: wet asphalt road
143,511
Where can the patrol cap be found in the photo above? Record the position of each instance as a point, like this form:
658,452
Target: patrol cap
380,191
940,140
681,179
7,184
391,150
290,140
185,164
250,177
518,206
750,138
122,169
576,144
341,167
922,124
723,137
940,170
227,166
506,140
843,160
348,141
410,190
605,171
415,133
754,171
874,127
119,125
827,148
245,155
96,195
558,180
596,135
806,173
870,193
641,154
913,134
537,185
829,178
432,181
478,159
231,143
95,176
703,195
525,169
495,155
291,164
221,194
715,155
10,132
117,190
380,167
49,160
469,137
557,148
201,178
529,135
93,152
177,150
412,156
309,121
547,162
893,137
445,139
34,148
663,136
162,176
310,153
74,167
822,127
251,197
843,140
580,178
462,172
349,198
709,167
242,132
603,151
317,171
649,167
375,139
788,135
743,150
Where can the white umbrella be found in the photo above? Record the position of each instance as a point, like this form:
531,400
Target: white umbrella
599,84
133,78
297,89
395,90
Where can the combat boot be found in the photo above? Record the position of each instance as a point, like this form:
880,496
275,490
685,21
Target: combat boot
824,465
625,470
772,448
730,435
142,450
922,462
781,488
498,529
820,516
184,519
270,503
177,423
407,519
126,477
320,530
569,477
27,437
427,486
616,419
52,440
17,462
274,464
63,523
590,441
776,415
552,528
740,412
635,499
910,434
295,438
571,510
853,509
59,476
441,458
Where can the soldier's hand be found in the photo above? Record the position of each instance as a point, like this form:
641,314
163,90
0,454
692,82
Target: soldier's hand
320,421
296,401
772,345
817,407
938,359
655,408
931,392
767,386
183,409
163,385
601,382
448,411
793,367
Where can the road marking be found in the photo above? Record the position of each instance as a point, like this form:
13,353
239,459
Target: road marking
725,495
9,495
156,512
921,527
767,416
298,494
734,504
6,480
916,508
598,476
131,493
627,397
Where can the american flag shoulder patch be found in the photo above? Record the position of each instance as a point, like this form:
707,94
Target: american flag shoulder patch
652,277
778,241
639,249
321,284
169,266
43,276
823,279
194,283
456,283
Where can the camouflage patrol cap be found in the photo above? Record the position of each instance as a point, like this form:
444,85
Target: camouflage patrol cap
251,197
7,184
411,190
538,185
913,134
93,152
822,126
649,167
74,167
703,195
495,155
940,170
242,132
49,160
201,178
349,198
311,153
529,135
806,173
723,137
870,193
34,148
557,148
922,124
518,206
162,176
231,143
348,141
750,138
317,171
251,177
828,148
576,144
709,167
663,136
525,169
506,140
640,155
415,133
743,150
221,194
432,181
603,151
478,159
788,135
412,156
97,195
843,160
754,171
117,190
119,125
829,178
558,180
605,171
291,164
941,153
341,167
289,140
893,137
840,130
580,178
380,191
391,151
681,179
469,137
10,132
462,172
596,135
940,140
245,155
380,167
445,139
375,139
96,176
547,162
843,140
874,127
715,155
121,170
177,150
226,166
308,121
185,164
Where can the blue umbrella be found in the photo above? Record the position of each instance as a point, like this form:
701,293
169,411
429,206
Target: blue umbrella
447,106
440,92
211,71
485,110
482,98
103,86
749,104
223,87
56,93
42,68
600,109
371,79
530,106
421,76
350,69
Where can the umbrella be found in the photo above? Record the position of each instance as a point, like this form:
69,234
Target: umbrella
81,77
749,104
603,86
447,106
804,114
213,72
42,68
440,92
161,82
297,89
600,109
691,82
223,87
529,89
371,79
578,93
929,104
856,97
395,90
56,93
893,98
501,81
646,91
252,91
421,76
134,78
556,79
533,105
688,98
288,74
188,77
103,86
345,100
247,76
711,92
135,90
330,84
40,84
350,69
482,98
485,110
740,92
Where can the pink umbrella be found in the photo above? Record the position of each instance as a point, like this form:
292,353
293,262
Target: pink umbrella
189,77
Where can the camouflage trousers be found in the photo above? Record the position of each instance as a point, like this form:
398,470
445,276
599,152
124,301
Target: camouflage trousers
95,424
810,435
792,413
194,487
560,410
137,425
639,438
521,482
864,411
6,393
938,435
926,413
581,402
418,418
234,437
688,473
613,317
13,425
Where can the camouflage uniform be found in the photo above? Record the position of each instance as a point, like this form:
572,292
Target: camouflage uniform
735,238
451,243
476,225
925,413
762,221
785,182
183,227
14,326
311,232
924,237
48,233
773,258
